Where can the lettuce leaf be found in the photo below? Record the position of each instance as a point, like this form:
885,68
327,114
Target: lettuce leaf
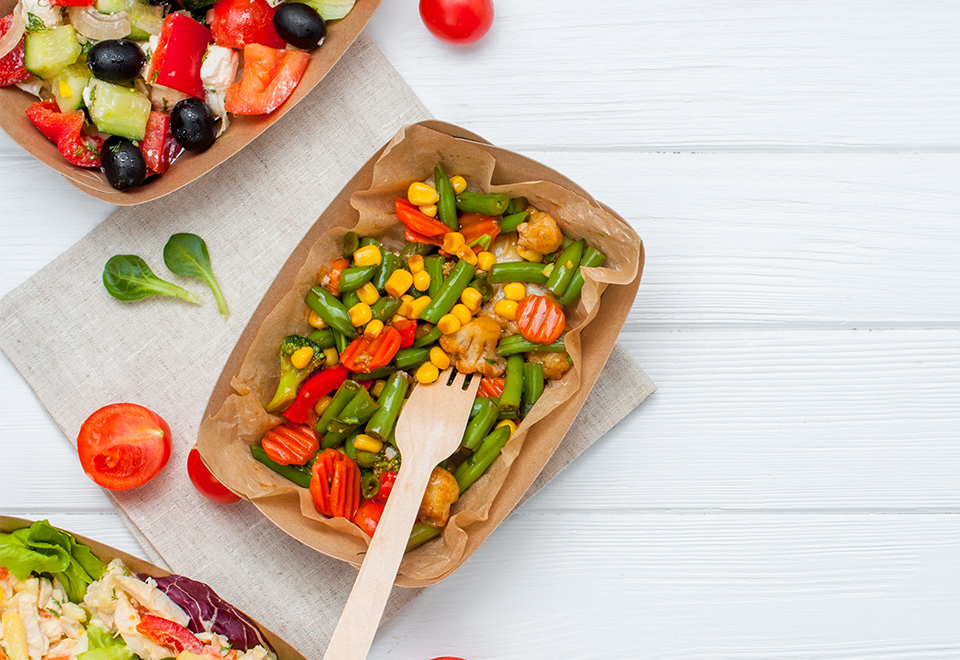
101,645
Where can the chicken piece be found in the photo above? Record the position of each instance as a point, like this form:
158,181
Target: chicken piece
442,491
473,348
554,364
540,233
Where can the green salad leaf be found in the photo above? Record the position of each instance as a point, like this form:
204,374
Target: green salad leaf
101,645
186,255
128,277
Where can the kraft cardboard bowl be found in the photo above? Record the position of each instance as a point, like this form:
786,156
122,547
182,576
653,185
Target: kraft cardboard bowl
235,418
106,554
189,166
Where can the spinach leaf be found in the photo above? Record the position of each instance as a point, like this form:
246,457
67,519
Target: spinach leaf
186,254
128,277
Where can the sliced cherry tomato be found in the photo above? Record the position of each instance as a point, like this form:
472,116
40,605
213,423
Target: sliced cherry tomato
387,480
491,387
413,218
333,276
335,485
368,516
12,69
123,445
179,54
363,355
158,146
269,78
540,319
66,129
204,481
237,23
408,332
291,444
169,634
459,22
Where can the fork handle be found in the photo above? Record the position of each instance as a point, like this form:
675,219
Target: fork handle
361,615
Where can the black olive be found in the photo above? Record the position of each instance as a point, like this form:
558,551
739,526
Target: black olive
123,163
115,60
299,25
193,125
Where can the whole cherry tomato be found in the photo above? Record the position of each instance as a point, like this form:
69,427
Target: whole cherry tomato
204,481
458,22
123,445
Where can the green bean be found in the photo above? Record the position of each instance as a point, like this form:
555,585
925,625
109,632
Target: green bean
482,284
391,400
484,204
565,267
323,338
514,414
344,395
341,341
359,409
331,310
517,271
369,485
532,386
295,473
350,298
380,372
369,240
434,267
478,427
510,222
592,258
483,240
367,459
411,358
389,264
385,307
447,205
428,338
516,205
449,293
347,440
355,277
512,384
420,534
350,244
478,404
517,344
472,468
412,248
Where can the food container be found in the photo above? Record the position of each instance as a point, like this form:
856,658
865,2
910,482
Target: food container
189,166
235,419
106,554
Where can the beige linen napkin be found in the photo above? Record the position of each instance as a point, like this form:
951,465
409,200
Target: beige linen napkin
91,350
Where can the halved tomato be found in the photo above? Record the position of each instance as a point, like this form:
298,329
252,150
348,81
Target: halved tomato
12,70
204,481
123,445
236,23
269,78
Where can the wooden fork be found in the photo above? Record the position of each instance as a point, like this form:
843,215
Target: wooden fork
429,430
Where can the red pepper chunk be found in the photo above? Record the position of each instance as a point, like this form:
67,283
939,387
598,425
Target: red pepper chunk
158,146
176,61
72,3
237,23
414,237
335,485
368,516
315,387
408,332
364,355
474,225
169,634
12,69
387,480
414,219
66,129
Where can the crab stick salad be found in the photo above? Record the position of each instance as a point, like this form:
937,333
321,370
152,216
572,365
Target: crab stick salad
483,284
57,600
126,85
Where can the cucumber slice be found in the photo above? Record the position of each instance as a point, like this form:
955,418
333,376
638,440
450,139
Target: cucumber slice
68,86
118,110
144,19
48,52
330,10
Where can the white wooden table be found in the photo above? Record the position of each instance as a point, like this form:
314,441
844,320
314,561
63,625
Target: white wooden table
794,170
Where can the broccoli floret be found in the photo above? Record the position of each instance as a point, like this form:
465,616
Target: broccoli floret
290,377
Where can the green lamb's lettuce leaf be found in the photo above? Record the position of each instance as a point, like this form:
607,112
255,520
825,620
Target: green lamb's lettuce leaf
331,10
102,646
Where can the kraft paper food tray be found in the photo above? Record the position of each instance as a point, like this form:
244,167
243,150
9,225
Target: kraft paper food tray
189,166
106,554
234,418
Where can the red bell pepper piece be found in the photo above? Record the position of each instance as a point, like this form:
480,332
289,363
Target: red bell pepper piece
474,225
169,634
158,146
363,355
66,129
491,387
333,276
318,385
237,23
269,78
176,61
414,237
387,479
408,332
368,516
72,3
415,220
12,69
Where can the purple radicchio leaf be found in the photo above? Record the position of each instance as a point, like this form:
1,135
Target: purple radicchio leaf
209,612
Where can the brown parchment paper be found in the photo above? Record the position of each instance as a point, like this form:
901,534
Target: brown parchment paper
189,166
236,418
107,554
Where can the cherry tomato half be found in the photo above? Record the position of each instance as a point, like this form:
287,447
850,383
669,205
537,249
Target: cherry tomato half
123,445
458,22
205,483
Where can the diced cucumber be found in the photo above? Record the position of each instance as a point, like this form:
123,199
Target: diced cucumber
48,52
118,110
68,86
331,10
144,19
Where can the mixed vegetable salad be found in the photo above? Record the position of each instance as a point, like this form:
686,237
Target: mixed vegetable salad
483,283
127,85
59,601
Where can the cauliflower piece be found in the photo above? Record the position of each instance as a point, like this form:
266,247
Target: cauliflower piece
473,348
540,233
554,364
442,491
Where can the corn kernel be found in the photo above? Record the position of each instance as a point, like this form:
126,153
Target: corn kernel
398,283
438,358
415,264
458,183
321,405
316,322
507,309
453,241
529,255
377,388
462,312
467,254
547,270
472,299
301,357
420,194
429,211
514,291
427,373
369,255
331,357
368,293
14,636
418,305
397,317
65,90
486,260
421,281
373,330
404,308
512,425
364,442
360,314
448,324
